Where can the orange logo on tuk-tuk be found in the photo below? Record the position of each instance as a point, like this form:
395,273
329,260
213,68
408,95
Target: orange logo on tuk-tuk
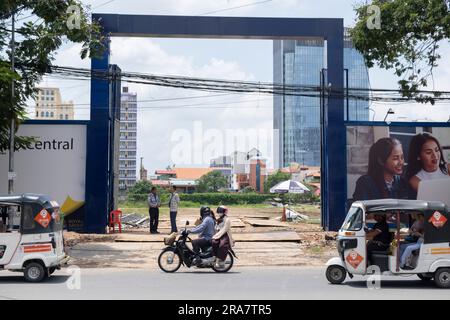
354,259
438,219
43,218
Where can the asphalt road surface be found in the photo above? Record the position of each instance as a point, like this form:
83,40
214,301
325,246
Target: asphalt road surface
242,283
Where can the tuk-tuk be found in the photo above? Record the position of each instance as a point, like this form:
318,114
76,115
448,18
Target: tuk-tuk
430,261
31,237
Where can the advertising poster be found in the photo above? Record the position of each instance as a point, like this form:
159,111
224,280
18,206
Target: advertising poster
54,165
398,163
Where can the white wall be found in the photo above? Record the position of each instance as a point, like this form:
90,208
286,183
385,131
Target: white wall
58,171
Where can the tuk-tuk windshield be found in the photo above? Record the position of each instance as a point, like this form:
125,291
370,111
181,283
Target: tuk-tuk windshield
354,220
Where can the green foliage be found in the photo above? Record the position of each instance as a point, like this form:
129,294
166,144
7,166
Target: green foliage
248,189
407,42
211,182
274,179
139,192
226,198
36,44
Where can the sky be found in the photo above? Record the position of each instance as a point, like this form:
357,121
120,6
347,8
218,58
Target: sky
169,133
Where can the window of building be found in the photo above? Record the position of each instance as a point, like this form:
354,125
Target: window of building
52,114
47,114
67,117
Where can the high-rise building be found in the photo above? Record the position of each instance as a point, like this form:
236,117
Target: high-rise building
49,105
128,139
297,118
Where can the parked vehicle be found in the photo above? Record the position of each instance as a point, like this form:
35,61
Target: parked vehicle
31,238
431,261
178,253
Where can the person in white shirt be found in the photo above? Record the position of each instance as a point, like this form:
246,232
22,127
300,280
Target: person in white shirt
222,241
425,160
174,201
154,203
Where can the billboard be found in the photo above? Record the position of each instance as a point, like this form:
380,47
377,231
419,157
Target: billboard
398,162
55,164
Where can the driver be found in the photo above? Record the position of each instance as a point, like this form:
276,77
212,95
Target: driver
205,230
379,236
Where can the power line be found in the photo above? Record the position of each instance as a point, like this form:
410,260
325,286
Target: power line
103,4
237,7
237,86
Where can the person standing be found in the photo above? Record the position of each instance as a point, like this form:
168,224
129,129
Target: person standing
174,201
154,202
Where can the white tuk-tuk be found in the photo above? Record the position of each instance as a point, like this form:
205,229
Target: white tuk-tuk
31,238
430,261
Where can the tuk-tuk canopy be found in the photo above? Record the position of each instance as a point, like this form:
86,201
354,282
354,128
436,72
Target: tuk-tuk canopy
388,205
25,197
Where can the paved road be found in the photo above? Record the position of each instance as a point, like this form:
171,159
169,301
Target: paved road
243,283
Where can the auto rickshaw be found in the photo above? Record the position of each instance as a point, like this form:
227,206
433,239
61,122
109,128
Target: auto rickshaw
431,261
31,237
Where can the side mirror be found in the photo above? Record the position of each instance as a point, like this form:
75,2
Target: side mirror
187,222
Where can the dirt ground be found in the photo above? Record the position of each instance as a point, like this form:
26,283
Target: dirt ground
314,248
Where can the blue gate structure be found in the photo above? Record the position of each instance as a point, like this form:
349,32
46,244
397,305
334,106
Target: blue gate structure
98,177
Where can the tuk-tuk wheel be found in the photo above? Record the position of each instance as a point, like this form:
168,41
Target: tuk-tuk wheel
442,278
34,272
336,274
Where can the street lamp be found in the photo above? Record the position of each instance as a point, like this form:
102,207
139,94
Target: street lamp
390,111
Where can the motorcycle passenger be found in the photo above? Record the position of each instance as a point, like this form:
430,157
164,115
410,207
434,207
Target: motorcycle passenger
205,230
222,240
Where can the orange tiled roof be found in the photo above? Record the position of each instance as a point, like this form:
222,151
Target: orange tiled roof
164,172
191,173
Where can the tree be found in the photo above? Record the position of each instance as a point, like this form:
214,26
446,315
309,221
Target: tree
248,189
405,39
139,191
211,182
52,22
275,178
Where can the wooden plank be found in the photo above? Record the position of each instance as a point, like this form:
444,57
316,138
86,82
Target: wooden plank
265,223
255,216
278,236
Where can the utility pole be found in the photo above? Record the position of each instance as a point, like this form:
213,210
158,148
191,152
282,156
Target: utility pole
12,129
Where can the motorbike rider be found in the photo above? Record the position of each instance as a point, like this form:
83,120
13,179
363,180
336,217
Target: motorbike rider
205,230
222,241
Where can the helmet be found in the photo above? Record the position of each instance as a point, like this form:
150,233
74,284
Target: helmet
222,209
204,212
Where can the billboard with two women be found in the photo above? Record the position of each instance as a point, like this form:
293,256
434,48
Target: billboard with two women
398,162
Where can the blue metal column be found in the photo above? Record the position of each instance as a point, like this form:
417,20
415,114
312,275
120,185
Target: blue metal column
334,144
98,145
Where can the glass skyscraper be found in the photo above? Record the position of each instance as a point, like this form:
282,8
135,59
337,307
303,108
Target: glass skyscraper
297,118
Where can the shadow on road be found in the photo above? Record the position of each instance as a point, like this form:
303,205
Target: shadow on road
19,279
396,284
206,272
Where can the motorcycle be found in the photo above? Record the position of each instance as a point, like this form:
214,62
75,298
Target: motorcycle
178,253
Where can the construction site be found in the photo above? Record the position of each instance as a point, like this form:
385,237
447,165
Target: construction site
262,239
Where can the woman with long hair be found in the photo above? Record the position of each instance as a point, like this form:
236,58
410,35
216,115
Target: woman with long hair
384,175
425,160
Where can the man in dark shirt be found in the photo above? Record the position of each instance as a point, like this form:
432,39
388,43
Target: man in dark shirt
379,236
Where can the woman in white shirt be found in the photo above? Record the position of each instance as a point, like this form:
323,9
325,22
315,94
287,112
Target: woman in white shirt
222,241
426,160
